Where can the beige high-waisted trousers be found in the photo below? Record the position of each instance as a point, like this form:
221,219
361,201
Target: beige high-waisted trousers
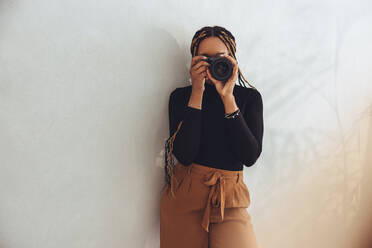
208,210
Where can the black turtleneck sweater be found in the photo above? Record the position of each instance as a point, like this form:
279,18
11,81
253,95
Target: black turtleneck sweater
207,138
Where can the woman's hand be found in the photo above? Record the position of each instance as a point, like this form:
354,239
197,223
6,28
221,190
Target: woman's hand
226,89
198,72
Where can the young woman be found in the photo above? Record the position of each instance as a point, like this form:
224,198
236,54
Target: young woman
215,129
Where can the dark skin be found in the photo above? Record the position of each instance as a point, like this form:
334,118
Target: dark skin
200,74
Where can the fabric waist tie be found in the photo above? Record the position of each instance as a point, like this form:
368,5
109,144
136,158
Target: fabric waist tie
216,179
216,197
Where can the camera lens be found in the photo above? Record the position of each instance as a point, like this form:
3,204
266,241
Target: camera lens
221,69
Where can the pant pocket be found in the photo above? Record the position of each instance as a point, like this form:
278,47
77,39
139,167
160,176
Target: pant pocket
179,174
186,183
246,193
238,196
184,179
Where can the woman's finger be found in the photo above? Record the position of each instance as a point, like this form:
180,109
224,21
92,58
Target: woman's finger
232,60
197,59
200,70
210,77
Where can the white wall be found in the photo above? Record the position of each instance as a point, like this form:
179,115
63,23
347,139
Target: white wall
83,112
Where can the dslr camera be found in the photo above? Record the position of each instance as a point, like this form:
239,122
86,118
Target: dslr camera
220,67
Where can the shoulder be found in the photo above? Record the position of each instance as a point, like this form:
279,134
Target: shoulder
248,94
181,90
252,98
179,93
254,94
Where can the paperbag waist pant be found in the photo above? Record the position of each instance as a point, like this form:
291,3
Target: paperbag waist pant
208,209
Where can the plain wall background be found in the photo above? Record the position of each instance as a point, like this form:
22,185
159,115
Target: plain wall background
84,89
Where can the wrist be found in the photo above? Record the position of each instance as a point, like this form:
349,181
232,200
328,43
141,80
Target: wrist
228,98
230,104
196,98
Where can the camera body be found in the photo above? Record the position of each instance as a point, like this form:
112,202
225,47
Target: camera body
220,67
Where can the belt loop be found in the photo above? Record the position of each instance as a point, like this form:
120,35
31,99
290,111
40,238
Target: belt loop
238,178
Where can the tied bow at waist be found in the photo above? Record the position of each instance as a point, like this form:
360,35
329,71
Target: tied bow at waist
216,197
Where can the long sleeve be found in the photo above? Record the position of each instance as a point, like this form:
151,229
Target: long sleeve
187,141
245,131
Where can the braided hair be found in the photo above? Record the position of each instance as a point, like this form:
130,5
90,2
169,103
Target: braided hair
229,40
226,37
